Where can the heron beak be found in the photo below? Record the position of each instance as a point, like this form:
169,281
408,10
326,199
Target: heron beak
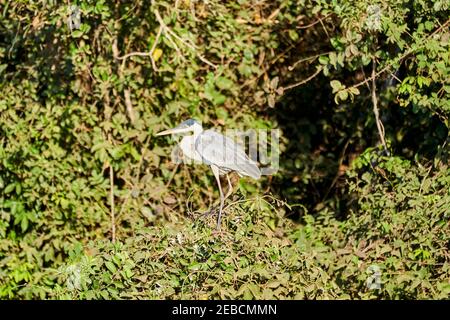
165,132
178,129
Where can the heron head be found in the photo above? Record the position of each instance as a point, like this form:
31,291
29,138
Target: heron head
187,126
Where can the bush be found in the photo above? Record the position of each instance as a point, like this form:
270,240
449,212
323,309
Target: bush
262,255
79,107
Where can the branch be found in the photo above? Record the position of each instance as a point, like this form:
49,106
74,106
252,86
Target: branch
129,105
111,198
314,23
292,67
375,108
141,54
168,32
303,81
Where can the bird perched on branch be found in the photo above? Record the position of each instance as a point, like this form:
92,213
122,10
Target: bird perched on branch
221,153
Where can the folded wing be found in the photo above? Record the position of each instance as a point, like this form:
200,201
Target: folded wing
217,149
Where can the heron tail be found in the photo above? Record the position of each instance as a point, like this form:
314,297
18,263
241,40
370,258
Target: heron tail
252,171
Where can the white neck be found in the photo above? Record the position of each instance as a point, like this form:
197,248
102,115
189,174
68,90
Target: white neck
197,130
187,144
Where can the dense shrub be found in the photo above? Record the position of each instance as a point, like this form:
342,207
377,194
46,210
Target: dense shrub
79,108
263,255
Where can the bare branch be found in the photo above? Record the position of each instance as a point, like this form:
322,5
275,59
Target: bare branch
292,67
303,81
375,108
141,54
129,105
319,20
111,198
169,33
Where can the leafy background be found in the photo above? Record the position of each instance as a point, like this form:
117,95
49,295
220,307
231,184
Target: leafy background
78,113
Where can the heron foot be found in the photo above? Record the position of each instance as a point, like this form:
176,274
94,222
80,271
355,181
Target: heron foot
214,211
208,213
217,232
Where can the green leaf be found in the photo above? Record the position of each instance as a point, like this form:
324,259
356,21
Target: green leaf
117,152
224,83
128,272
333,59
293,35
343,95
336,85
366,59
10,187
77,34
324,60
354,90
24,224
18,188
111,267
429,25
222,113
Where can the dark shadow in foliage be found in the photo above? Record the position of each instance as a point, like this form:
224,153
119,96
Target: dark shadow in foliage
324,138
320,140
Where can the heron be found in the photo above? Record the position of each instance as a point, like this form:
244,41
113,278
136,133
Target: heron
218,151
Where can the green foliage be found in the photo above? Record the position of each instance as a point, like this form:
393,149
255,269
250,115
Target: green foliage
253,259
406,218
262,255
386,33
79,106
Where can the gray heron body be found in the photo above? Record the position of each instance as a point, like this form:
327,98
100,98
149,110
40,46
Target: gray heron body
220,152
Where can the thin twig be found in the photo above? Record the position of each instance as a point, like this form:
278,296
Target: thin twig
136,53
375,107
168,32
325,29
158,35
336,177
172,176
291,67
111,198
303,81
129,105
395,77
273,14
364,74
374,76
314,23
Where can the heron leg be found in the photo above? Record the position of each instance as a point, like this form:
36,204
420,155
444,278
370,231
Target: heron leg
215,171
230,187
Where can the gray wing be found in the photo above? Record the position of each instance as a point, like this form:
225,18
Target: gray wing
217,149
